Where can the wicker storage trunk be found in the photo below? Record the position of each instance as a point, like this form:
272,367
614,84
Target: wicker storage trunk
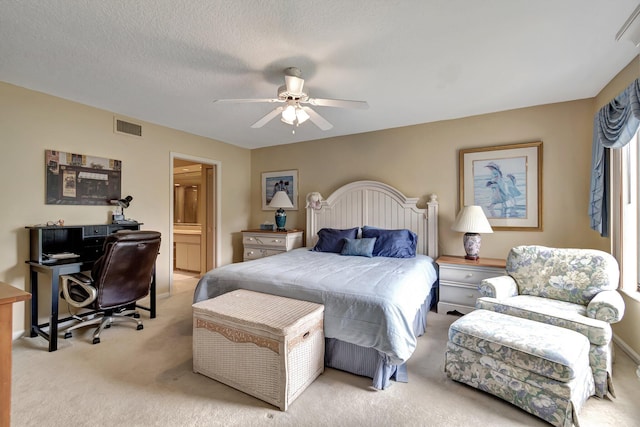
267,346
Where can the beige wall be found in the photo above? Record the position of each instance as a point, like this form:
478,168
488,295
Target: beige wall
31,122
627,329
423,159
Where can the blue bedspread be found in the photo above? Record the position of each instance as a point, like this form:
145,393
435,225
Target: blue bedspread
370,302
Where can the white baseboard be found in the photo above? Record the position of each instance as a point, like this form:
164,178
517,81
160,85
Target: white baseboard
625,347
18,334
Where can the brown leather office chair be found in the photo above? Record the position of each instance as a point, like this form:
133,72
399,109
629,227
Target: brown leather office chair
119,278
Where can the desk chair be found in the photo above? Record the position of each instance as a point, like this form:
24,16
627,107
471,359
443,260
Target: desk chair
119,278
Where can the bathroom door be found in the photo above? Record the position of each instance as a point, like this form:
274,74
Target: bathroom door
202,211
209,173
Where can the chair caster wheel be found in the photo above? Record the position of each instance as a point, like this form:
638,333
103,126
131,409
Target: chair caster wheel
67,335
96,340
136,316
107,327
140,327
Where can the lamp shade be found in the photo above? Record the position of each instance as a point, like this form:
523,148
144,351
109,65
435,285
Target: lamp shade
289,114
124,203
280,200
301,115
472,220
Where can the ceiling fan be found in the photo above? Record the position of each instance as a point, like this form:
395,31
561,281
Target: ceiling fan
294,110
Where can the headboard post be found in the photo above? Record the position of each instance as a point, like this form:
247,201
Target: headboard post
432,223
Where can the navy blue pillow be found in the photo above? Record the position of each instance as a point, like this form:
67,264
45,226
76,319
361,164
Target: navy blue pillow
331,239
392,243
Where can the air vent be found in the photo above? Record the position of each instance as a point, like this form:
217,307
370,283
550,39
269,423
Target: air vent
127,128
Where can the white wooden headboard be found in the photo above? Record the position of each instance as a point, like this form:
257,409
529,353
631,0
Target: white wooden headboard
375,204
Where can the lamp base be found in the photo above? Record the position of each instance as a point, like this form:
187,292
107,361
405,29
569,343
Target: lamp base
471,243
281,220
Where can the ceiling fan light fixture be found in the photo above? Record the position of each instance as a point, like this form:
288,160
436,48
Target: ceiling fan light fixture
289,114
301,115
289,122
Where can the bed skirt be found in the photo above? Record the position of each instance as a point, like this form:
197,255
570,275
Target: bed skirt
368,362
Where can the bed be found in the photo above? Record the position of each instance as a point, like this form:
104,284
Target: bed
375,307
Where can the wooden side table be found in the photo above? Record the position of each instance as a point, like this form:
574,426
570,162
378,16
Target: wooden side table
8,295
459,280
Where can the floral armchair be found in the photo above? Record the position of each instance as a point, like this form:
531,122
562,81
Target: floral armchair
569,288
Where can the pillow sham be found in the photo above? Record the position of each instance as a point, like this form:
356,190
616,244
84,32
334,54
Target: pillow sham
392,243
331,239
358,247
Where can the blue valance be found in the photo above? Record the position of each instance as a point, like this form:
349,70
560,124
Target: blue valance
613,127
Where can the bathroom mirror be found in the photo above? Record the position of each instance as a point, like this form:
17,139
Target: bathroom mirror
186,192
185,210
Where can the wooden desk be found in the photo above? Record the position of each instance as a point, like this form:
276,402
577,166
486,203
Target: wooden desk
86,241
53,272
8,295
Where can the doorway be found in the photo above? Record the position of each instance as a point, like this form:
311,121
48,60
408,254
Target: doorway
194,219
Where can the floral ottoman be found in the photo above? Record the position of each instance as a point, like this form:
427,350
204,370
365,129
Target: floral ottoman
540,368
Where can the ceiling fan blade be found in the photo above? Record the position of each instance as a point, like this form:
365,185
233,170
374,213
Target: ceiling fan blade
242,101
340,103
266,119
317,119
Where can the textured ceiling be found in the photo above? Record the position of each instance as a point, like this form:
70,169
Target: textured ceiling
413,61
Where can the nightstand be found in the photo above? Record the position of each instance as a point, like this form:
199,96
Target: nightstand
262,243
459,280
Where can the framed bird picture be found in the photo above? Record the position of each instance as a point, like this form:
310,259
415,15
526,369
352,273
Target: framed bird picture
506,181
272,182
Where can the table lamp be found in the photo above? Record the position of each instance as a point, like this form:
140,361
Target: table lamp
472,221
281,200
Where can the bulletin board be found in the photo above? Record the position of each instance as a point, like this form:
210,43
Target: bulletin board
78,179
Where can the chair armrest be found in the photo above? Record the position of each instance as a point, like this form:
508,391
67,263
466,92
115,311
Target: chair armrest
607,306
498,287
85,282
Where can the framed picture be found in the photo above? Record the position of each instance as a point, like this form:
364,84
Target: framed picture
273,182
80,179
506,181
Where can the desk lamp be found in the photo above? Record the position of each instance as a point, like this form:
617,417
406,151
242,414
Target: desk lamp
122,204
281,200
472,221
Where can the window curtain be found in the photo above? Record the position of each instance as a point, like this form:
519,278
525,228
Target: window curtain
613,127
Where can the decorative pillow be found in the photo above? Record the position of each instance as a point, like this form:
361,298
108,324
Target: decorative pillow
392,243
332,239
358,247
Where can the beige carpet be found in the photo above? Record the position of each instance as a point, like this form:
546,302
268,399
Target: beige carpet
144,378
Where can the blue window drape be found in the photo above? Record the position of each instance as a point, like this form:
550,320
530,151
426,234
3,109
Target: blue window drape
613,127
